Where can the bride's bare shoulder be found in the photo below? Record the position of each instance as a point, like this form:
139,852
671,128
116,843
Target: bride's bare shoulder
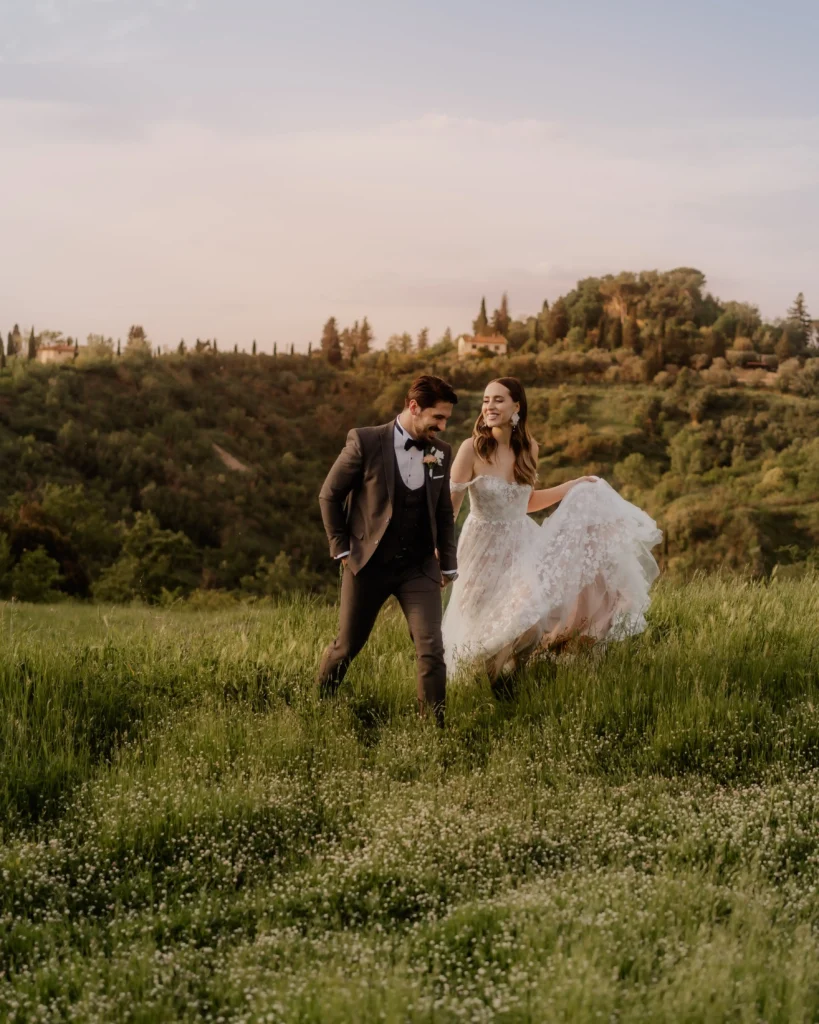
462,465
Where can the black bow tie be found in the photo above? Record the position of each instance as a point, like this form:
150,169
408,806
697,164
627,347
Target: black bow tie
413,442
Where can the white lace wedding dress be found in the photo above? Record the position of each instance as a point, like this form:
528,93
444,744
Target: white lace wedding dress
588,569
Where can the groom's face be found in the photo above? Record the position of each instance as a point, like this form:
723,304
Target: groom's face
428,423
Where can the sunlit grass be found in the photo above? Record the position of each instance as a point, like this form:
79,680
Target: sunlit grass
188,833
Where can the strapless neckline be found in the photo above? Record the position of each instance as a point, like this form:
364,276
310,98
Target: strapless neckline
499,479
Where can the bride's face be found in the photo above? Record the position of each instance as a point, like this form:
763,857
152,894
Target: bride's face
498,405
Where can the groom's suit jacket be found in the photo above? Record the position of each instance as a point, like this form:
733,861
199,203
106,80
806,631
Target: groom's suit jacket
357,499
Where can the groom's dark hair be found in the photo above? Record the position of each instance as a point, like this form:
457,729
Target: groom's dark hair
429,391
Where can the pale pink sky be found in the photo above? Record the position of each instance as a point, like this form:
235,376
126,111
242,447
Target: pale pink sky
247,178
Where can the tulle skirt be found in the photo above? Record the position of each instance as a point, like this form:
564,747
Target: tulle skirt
587,570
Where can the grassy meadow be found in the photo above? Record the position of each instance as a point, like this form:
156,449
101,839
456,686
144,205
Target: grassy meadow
187,833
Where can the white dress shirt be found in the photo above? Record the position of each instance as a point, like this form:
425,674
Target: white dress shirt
410,460
410,466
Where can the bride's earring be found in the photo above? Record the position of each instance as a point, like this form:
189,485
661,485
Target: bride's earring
515,419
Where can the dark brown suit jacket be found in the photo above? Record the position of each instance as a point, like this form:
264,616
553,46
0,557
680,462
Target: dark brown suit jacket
365,472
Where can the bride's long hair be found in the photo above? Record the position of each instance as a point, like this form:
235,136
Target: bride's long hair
521,440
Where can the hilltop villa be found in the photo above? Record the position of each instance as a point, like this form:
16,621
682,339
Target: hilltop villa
469,345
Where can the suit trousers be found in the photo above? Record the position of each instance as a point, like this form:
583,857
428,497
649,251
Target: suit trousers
362,596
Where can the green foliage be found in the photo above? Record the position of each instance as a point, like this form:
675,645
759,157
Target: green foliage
480,326
229,451
35,577
153,562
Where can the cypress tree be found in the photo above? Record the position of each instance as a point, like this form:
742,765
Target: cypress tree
365,337
501,318
558,325
631,335
32,345
331,342
799,317
602,331
253,350
480,326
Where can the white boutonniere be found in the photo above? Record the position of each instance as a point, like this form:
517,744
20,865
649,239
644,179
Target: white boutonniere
433,457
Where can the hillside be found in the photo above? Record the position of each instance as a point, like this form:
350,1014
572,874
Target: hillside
156,475
122,473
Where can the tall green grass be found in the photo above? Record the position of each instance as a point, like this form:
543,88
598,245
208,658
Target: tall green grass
189,833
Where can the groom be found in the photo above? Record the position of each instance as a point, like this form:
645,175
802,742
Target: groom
387,512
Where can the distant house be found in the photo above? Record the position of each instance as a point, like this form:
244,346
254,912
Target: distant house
59,353
469,345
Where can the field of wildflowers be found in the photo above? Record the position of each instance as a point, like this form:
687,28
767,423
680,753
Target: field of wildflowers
187,833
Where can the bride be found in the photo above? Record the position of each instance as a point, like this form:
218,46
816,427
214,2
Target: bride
585,572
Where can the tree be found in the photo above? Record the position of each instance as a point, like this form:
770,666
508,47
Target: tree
535,338
480,326
253,349
181,349
602,332
365,337
15,341
349,341
791,342
631,336
2,355
422,344
35,577
331,342
446,337
584,304
119,346
800,319
32,345
501,318
275,349
236,350
215,345
615,333
292,349
137,343
558,325
152,560
737,319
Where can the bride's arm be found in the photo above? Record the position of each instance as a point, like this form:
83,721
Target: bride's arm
462,472
552,495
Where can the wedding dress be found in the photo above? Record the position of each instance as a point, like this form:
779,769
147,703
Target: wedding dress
588,569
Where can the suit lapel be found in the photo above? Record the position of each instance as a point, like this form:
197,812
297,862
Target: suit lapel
430,505
388,455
